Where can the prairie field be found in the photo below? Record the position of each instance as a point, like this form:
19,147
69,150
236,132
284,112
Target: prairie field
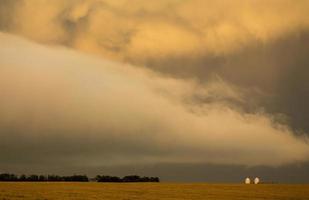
149,191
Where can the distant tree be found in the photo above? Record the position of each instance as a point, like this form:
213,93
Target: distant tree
135,178
22,177
8,177
98,178
132,178
42,178
76,178
126,179
108,179
33,178
54,178
154,179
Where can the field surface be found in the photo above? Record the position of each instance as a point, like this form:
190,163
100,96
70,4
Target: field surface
150,191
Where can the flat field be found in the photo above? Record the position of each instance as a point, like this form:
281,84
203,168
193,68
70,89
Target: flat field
149,191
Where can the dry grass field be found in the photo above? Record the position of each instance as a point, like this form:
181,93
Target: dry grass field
149,191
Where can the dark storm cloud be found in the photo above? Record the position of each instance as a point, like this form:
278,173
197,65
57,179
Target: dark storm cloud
228,80
53,108
256,51
272,75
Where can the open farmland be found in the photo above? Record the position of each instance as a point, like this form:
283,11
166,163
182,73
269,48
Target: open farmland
149,191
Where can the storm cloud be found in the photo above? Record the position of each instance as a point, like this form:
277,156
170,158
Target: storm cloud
120,82
59,104
260,46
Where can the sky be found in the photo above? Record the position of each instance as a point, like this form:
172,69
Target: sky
188,90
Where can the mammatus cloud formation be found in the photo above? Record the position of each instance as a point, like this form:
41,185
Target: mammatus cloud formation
191,81
60,105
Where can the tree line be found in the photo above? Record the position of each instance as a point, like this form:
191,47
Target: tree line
38,178
126,179
75,178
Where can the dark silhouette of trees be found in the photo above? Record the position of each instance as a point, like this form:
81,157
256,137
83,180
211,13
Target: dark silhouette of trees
132,178
8,177
22,178
42,178
126,179
54,178
76,178
154,179
108,179
33,178
36,178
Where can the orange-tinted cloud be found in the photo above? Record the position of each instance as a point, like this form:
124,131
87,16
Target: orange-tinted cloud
61,105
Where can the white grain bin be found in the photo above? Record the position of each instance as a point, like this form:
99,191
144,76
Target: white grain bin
247,180
256,180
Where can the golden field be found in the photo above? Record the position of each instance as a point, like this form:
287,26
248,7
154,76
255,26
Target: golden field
149,191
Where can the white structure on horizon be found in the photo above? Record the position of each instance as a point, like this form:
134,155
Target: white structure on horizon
247,180
256,180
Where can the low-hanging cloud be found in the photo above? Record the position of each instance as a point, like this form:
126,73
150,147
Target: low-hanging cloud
59,105
258,46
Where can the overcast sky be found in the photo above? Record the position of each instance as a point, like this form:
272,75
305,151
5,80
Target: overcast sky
137,86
